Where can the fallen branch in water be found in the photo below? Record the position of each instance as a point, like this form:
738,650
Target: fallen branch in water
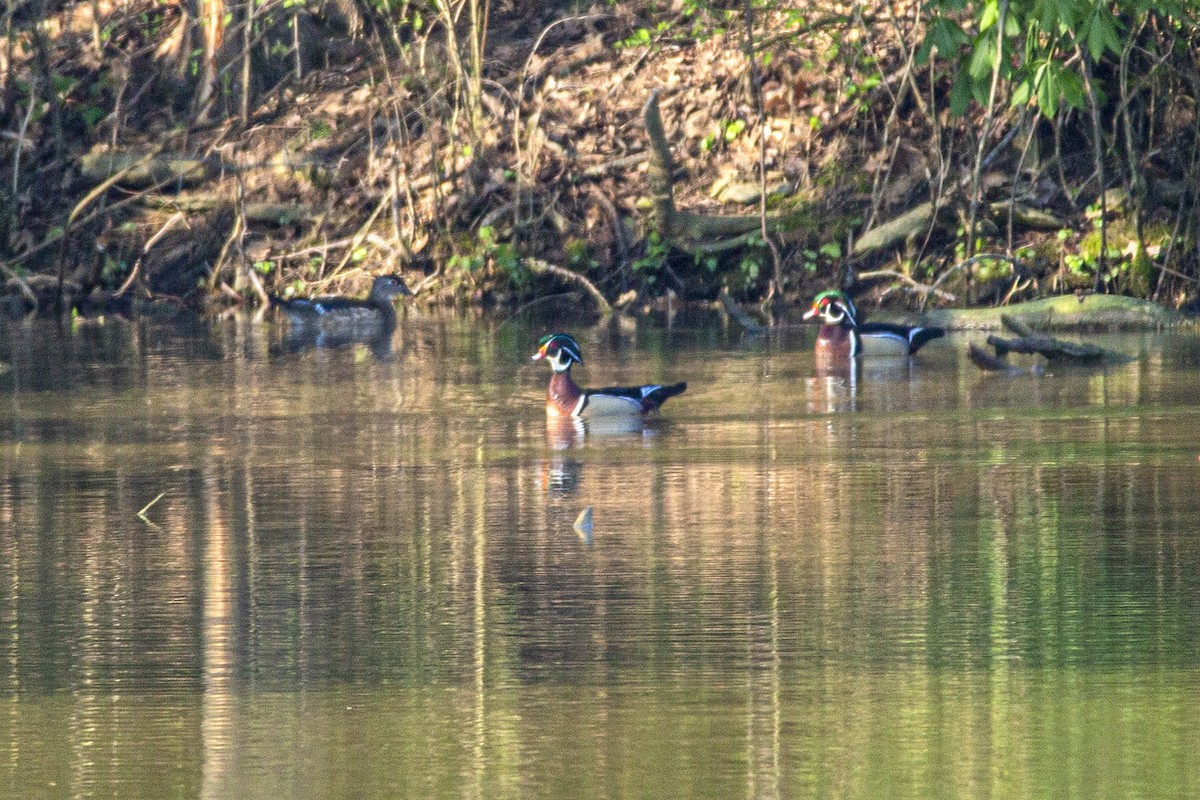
743,319
539,267
988,362
1056,351
1052,349
147,507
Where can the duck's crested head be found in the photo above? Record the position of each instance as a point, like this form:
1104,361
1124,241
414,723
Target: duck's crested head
389,286
833,307
560,350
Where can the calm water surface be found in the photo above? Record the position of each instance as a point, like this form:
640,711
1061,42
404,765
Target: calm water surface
361,579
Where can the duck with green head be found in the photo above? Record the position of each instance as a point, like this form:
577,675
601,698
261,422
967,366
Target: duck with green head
842,336
565,398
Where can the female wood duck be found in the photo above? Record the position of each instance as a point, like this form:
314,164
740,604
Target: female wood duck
565,398
343,317
842,336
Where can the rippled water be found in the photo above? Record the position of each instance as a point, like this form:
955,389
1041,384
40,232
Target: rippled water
360,577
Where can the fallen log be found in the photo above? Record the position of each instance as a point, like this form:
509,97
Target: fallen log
266,213
1050,349
1065,312
1055,351
988,362
141,170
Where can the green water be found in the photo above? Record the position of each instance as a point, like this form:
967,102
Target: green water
360,578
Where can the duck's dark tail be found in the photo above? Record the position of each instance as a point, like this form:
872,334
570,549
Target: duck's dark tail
921,336
662,394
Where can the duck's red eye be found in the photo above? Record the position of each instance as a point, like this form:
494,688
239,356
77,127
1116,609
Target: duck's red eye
552,347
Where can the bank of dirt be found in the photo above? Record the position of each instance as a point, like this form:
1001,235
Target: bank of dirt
368,150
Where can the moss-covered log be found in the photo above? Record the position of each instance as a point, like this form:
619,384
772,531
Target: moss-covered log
143,170
1066,312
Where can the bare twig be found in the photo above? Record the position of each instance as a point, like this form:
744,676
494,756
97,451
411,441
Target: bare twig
256,284
620,236
1085,69
149,505
776,290
361,234
921,288
247,37
548,298
16,184
537,266
153,240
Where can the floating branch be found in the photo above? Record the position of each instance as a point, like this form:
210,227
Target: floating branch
988,362
148,506
1056,351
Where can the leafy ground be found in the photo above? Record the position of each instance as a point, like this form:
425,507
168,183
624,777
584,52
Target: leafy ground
371,144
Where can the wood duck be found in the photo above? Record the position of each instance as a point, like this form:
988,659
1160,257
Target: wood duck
344,317
842,336
565,398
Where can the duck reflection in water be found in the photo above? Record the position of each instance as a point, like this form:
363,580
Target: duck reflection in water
563,470
838,387
833,387
567,435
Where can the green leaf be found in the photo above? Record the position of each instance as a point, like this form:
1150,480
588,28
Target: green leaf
1022,91
926,48
989,15
1070,87
983,58
831,250
1102,34
948,37
960,94
1047,93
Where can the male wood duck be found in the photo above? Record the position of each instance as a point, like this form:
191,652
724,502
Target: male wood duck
344,317
565,398
842,336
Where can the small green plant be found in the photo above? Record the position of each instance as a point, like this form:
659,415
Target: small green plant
319,129
750,266
642,37
960,244
656,255
114,270
811,259
579,255
731,129
486,250
860,91
1035,51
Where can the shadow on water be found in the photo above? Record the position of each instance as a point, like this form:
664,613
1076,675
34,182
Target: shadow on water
363,577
